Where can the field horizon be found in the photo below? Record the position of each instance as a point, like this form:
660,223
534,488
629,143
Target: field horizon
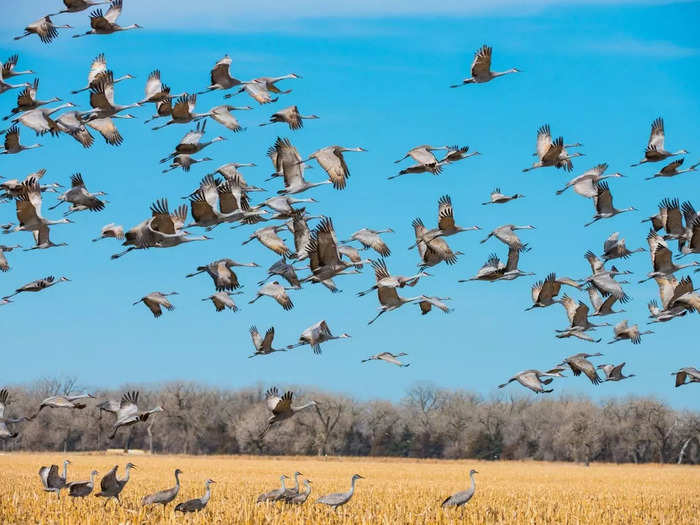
395,490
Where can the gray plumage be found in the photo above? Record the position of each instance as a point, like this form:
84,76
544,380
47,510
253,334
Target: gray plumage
461,498
339,498
197,504
51,480
274,494
80,489
111,486
164,496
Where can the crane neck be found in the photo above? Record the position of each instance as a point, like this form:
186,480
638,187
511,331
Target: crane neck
177,478
207,495
471,477
65,470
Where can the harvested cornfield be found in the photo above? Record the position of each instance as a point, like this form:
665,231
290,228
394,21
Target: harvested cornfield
394,491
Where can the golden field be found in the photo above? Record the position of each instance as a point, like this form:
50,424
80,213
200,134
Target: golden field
395,491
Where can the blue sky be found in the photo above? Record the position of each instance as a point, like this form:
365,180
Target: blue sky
597,73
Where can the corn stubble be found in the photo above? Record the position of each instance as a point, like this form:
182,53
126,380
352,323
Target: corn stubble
395,491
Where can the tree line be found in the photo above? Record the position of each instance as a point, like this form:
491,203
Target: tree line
428,422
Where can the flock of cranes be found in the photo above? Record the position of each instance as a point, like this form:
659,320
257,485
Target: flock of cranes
224,197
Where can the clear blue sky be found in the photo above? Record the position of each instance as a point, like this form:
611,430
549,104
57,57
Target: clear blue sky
378,78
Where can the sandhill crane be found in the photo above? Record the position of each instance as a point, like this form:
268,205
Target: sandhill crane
623,331
281,407
370,239
277,292
81,489
39,285
291,116
604,280
42,240
670,218
390,300
481,68
284,270
282,204
156,301
586,184
192,142
289,164
220,76
532,379
222,274
44,28
544,292
671,169
75,6
332,161
79,197
426,304
63,401
691,244
196,504
424,156
4,431
4,86
446,222
579,363
614,372
661,258
434,251
12,144
577,313
111,231
666,314
300,498
111,486
316,334
388,357
162,230
98,67
268,237
183,111
506,234
462,498
164,496
222,114
108,129
263,346
14,187
614,248
40,120
435,169
552,152
385,280
256,90
129,414
690,373
655,148
184,161
71,124
164,108
102,99
493,269
106,24
155,90
339,499
4,265
457,153
499,198
7,69
604,307
223,300
51,480
604,204
293,491
26,100
274,494
230,171
216,202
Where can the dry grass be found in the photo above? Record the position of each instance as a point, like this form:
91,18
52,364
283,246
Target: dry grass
395,491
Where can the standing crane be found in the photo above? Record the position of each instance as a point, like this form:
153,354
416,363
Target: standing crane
164,497
51,480
462,498
81,489
196,504
339,499
111,486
